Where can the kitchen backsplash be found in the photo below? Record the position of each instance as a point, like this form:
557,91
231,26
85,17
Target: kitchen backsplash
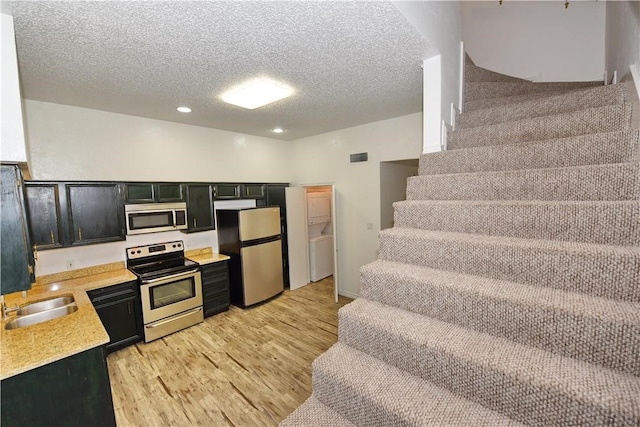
75,258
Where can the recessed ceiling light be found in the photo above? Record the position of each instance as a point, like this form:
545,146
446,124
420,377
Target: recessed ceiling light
256,93
278,130
184,109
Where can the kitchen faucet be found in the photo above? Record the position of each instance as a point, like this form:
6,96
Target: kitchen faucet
5,309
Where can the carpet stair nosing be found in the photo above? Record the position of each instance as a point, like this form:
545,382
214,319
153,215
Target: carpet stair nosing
369,392
607,223
313,413
599,270
607,118
582,150
592,329
556,104
490,370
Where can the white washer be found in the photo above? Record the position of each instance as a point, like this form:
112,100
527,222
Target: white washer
321,256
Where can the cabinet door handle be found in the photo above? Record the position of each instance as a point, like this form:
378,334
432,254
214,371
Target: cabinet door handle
51,235
129,306
79,233
195,223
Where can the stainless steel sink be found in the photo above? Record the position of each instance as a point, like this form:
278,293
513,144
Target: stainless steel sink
22,321
45,305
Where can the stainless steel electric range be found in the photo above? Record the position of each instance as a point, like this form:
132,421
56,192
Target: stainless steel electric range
170,288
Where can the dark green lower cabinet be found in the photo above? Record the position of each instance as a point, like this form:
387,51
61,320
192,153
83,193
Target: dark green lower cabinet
74,391
120,311
215,288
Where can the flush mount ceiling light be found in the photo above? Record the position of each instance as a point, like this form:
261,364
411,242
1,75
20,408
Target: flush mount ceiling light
256,93
277,130
184,109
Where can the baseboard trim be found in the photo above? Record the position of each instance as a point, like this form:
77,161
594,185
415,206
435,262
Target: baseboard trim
348,294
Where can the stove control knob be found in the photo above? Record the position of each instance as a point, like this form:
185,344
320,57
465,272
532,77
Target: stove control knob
174,246
133,252
139,251
179,244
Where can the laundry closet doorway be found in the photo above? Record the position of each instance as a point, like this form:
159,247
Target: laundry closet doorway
312,235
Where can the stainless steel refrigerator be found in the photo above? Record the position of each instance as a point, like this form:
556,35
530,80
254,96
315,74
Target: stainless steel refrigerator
252,238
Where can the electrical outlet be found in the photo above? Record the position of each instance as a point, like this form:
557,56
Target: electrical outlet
70,264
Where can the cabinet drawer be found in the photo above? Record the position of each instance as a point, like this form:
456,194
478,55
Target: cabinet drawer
116,292
218,269
214,276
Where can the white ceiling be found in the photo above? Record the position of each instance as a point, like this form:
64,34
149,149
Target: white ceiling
350,62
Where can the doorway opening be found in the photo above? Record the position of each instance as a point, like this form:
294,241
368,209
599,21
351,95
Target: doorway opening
393,186
311,221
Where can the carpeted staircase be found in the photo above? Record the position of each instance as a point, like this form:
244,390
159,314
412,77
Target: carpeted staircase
508,291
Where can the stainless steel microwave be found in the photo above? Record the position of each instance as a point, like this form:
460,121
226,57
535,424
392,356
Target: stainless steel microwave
155,217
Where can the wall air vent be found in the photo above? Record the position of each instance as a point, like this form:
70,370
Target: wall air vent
359,157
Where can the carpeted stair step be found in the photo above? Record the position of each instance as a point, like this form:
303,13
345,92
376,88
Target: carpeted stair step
313,413
484,90
473,73
620,181
607,223
592,329
480,104
590,149
370,392
609,118
573,101
599,270
524,383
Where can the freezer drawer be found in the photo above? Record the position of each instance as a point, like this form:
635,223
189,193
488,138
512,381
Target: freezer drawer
262,276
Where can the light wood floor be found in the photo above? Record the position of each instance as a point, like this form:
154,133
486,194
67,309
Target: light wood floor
239,368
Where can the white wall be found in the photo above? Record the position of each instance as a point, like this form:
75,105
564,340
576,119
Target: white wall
538,40
325,159
12,141
440,24
623,39
73,143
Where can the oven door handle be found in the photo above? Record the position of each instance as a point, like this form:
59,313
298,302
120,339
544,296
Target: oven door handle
164,322
171,277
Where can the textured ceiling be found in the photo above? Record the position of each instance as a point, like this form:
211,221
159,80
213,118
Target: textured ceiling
349,62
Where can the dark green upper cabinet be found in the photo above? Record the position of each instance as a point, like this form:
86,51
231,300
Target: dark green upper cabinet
153,192
227,191
276,197
169,192
254,191
44,212
96,213
199,207
139,193
17,257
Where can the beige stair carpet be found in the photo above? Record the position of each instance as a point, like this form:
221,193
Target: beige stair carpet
508,291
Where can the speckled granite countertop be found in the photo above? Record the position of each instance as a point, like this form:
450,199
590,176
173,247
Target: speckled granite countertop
27,348
205,257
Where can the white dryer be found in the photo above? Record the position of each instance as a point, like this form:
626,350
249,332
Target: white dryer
321,256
